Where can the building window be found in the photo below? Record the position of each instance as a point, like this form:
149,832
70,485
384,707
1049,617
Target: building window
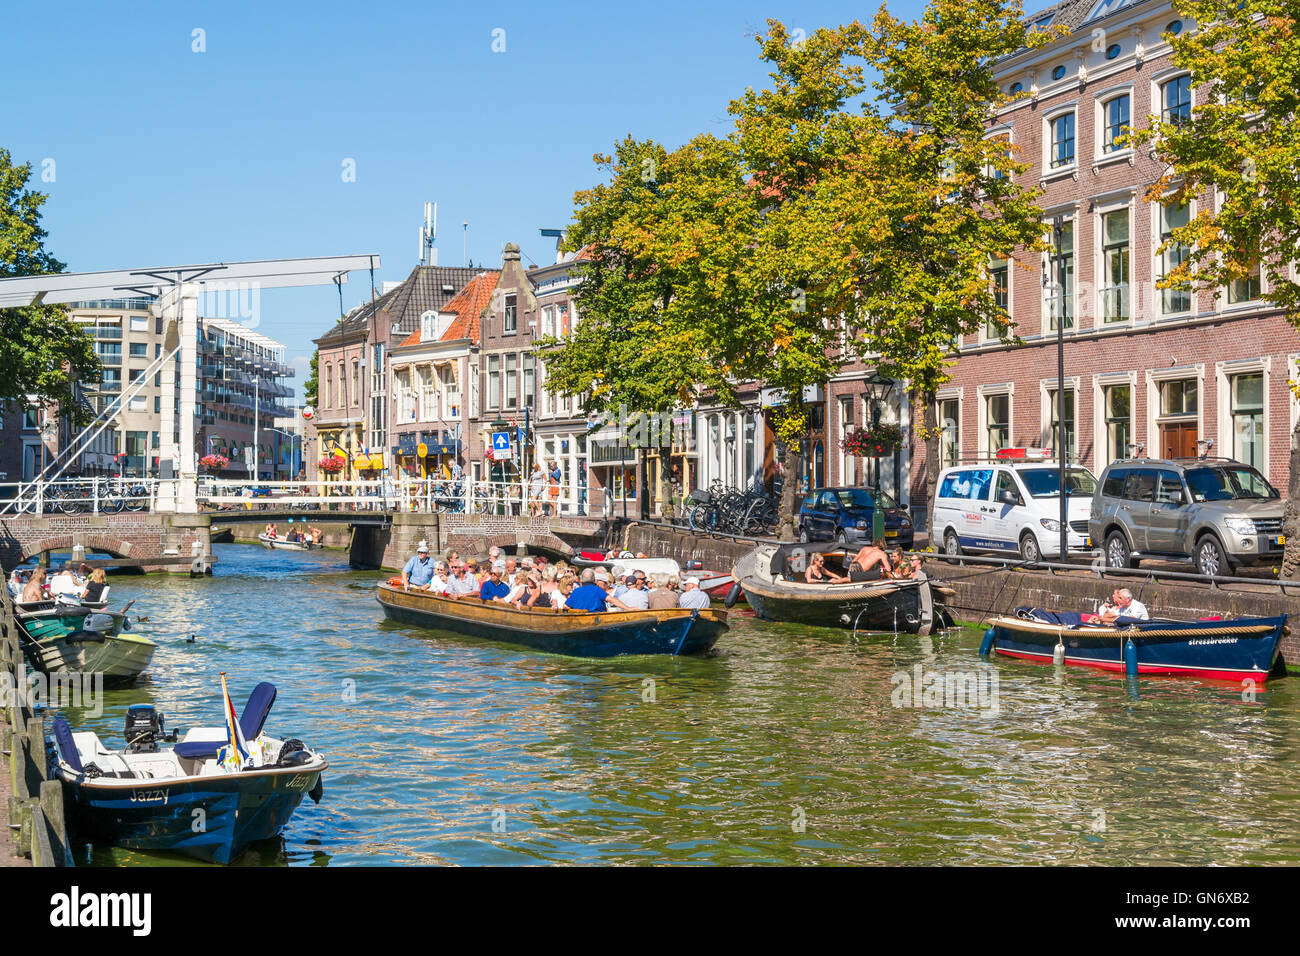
1059,72
1118,404
1248,419
494,381
1178,398
530,380
548,321
1071,445
356,384
511,321
1061,269
511,380
1173,216
1176,100
1062,141
139,348
1115,266
997,418
949,432
1115,114
1112,51
1244,290
999,270
428,395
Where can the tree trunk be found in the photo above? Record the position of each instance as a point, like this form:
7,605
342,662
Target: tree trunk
1291,517
791,463
930,420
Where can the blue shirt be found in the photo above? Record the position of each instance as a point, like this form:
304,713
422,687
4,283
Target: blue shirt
493,589
694,599
419,572
586,597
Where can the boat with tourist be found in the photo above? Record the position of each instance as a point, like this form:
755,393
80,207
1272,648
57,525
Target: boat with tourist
60,637
1235,649
576,633
771,578
245,784
276,543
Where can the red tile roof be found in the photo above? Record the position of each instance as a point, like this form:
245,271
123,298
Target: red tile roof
467,304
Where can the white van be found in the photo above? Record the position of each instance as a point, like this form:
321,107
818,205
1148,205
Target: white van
1010,506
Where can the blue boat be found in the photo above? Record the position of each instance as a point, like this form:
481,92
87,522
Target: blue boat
1239,649
575,633
183,798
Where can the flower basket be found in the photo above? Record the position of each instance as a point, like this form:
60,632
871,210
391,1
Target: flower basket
865,442
331,464
214,462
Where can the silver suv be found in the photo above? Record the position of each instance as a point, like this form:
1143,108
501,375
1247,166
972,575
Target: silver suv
1215,512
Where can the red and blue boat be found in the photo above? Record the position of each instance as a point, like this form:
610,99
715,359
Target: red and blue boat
1239,649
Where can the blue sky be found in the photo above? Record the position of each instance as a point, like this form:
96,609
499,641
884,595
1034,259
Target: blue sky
163,155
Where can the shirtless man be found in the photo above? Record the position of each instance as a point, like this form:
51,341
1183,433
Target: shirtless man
871,556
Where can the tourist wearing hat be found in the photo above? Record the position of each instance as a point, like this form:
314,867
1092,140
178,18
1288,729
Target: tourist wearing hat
632,597
692,596
418,572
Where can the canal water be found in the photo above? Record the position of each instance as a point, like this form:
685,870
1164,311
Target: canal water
787,745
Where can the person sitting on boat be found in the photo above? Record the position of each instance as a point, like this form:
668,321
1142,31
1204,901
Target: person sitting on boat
438,583
494,555
546,587
461,582
494,589
16,584
315,533
418,571
817,572
588,596
897,564
661,597
563,588
95,586
692,596
632,598
63,584
871,556
1121,605
537,596
272,531
913,571
518,592
34,589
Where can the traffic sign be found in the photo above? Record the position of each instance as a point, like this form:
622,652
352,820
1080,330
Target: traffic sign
501,446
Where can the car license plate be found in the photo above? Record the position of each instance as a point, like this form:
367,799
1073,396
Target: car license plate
891,534
1087,542
1279,540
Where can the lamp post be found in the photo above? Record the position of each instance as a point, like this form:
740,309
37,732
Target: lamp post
1059,281
877,389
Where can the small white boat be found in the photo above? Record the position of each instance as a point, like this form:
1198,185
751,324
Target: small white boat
284,544
629,565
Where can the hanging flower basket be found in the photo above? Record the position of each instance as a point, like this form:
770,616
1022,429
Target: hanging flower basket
331,464
865,442
214,462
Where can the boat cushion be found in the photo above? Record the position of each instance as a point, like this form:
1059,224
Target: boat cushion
251,722
67,749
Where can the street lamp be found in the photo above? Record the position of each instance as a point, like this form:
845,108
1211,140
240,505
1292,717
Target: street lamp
1058,282
877,389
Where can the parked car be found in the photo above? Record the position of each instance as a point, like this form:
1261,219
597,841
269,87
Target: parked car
1011,505
1217,513
847,515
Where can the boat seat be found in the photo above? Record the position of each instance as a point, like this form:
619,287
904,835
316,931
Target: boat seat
251,722
70,755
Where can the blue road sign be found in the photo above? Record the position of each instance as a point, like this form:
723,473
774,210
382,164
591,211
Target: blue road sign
501,445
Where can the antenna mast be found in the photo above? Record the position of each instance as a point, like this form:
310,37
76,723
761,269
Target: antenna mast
428,234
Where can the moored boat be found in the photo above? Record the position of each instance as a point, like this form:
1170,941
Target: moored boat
771,578
1236,649
75,639
284,544
148,798
575,633
630,564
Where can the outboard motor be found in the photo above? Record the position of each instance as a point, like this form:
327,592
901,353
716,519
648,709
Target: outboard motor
99,623
144,728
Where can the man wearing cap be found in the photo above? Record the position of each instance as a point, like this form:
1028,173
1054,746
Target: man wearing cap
692,596
494,589
418,572
632,598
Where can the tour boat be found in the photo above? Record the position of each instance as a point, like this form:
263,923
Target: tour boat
575,633
184,798
70,638
284,544
1235,649
771,577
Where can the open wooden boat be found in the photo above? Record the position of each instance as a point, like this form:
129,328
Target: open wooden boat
76,639
149,798
771,577
1244,648
284,544
576,633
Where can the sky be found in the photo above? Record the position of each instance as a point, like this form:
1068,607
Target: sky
169,133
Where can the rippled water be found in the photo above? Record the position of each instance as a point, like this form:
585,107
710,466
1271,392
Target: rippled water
784,746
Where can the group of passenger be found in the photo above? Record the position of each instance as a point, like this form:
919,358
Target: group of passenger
83,584
891,565
534,582
296,535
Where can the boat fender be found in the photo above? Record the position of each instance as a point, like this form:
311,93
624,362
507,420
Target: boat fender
1130,658
1058,654
986,645
316,791
291,746
733,595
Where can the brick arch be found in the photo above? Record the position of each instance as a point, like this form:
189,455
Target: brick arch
65,542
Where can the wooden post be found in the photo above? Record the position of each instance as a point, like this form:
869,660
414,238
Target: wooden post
52,810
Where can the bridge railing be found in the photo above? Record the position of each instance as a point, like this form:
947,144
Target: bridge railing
96,495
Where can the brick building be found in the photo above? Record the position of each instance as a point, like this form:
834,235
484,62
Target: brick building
1164,371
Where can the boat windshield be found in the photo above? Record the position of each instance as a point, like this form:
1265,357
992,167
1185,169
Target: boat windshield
857,499
1226,482
1045,482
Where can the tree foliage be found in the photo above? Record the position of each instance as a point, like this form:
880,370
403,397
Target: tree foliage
42,351
311,386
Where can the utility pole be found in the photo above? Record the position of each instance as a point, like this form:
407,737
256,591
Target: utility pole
1064,515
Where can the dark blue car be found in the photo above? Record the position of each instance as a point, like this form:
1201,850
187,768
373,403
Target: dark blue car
846,515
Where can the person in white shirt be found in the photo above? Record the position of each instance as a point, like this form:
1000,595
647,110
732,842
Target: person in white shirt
632,597
438,583
692,596
63,583
1122,604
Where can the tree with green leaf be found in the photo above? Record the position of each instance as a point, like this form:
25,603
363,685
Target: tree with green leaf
1241,144
42,352
311,387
